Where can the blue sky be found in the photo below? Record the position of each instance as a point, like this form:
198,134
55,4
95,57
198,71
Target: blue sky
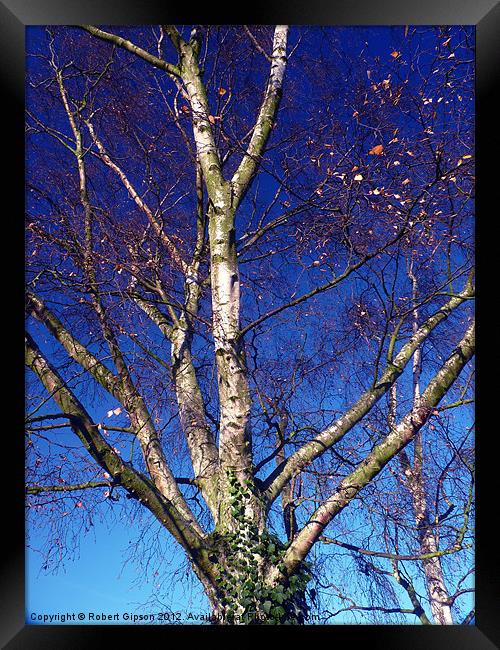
97,582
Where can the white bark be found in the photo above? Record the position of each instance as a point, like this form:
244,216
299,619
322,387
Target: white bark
435,584
266,117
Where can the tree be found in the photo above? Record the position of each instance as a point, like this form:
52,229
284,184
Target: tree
262,255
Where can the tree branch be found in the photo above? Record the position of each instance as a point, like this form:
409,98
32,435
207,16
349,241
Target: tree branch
390,556
167,242
139,486
76,350
131,47
263,126
373,464
37,489
324,440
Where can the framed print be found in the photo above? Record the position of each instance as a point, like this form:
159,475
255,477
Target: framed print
249,254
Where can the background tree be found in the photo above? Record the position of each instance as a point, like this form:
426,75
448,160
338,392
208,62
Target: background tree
256,245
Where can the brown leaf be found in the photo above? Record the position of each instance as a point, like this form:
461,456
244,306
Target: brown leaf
395,54
377,150
222,91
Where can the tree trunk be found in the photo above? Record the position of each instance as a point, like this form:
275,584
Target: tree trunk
250,583
436,588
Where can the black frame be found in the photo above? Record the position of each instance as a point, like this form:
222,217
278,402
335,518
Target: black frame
15,15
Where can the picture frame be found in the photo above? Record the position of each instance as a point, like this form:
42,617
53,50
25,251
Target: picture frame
15,16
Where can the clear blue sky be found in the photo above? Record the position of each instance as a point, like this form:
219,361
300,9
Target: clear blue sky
98,582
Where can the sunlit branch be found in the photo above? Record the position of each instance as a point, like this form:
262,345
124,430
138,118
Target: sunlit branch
243,176
38,489
185,531
323,441
392,556
104,156
377,459
131,47
76,350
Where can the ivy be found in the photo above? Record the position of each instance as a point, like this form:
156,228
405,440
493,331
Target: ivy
244,559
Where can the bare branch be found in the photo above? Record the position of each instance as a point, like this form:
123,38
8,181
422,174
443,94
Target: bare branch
394,442
263,126
131,47
324,440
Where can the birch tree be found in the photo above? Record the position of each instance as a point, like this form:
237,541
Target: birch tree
218,225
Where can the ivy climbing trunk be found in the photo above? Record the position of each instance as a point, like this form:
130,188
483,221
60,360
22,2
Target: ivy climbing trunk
251,584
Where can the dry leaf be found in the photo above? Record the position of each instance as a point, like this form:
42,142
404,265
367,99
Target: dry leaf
358,177
395,54
222,91
377,150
